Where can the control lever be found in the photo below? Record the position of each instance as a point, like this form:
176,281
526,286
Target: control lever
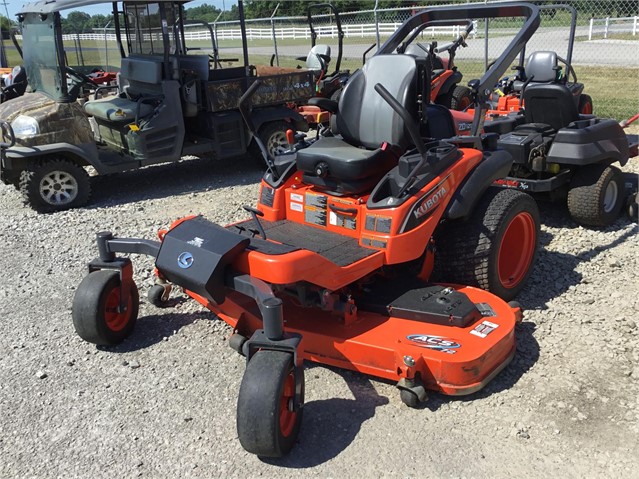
255,213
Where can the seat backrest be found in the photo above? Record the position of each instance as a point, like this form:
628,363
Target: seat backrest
364,118
549,103
319,57
141,75
542,67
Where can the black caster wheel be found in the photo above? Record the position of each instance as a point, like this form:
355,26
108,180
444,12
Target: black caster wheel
236,342
409,398
158,295
96,309
268,421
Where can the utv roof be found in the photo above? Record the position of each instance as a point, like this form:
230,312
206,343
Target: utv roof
48,6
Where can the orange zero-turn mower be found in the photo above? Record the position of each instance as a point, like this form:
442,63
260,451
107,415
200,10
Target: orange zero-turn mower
335,264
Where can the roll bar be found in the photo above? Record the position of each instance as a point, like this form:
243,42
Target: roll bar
485,85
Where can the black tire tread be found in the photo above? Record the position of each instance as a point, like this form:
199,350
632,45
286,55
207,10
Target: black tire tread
586,194
464,246
264,132
30,177
459,92
258,426
88,305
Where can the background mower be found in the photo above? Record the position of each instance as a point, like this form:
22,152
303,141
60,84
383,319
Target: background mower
335,262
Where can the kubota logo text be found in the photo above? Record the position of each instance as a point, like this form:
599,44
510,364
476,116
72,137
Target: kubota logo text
430,202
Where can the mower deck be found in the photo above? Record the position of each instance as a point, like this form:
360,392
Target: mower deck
451,360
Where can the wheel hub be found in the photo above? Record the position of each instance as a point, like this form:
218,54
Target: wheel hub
610,197
58,188
277,144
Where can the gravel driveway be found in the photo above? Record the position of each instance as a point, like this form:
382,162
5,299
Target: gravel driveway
162,404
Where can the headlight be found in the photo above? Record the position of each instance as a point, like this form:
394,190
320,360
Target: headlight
25,126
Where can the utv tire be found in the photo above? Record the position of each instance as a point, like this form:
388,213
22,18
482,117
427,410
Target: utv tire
273,136
95,309
595,197
495,248
266,425
462,98
585,105
55,185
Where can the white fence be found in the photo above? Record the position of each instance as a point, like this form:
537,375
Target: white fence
329,31
608,25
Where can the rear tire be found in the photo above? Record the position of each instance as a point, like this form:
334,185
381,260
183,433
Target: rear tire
495,248
273,136
595,197
94,311
462,98
266,426
55,185
585,104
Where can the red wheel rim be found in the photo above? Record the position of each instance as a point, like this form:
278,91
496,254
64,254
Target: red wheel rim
116,321
464,103
516,250
287,417
587,109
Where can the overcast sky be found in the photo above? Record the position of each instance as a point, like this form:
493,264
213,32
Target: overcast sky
14,6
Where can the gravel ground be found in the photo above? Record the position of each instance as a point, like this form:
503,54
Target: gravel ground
162,404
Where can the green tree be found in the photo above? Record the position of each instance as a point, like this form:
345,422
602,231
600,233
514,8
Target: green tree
76,22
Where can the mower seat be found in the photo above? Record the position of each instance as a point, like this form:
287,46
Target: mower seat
373,135
318,58
15,85
541,67
549,103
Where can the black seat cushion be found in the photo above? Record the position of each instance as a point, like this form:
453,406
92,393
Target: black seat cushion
345,161
549,103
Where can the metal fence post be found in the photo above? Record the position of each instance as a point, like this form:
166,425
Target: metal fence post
606,29
592,20
634,26
277,56
376,23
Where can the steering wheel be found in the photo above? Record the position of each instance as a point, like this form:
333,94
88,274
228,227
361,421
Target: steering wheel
80,77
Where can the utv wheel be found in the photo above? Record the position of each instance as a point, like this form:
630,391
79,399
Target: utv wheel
585,104
461,99
95,309
267,424
273,136
55,185
495,248
595,197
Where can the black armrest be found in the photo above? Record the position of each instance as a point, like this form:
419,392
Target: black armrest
324,103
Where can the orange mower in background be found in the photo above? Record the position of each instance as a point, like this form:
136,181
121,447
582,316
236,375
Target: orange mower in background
375,248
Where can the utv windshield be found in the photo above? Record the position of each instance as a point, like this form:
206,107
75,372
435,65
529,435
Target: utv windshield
144,27
40,54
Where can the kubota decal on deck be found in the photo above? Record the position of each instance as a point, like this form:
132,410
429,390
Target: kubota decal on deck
439,343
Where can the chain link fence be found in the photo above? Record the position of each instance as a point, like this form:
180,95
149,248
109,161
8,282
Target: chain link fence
605,55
